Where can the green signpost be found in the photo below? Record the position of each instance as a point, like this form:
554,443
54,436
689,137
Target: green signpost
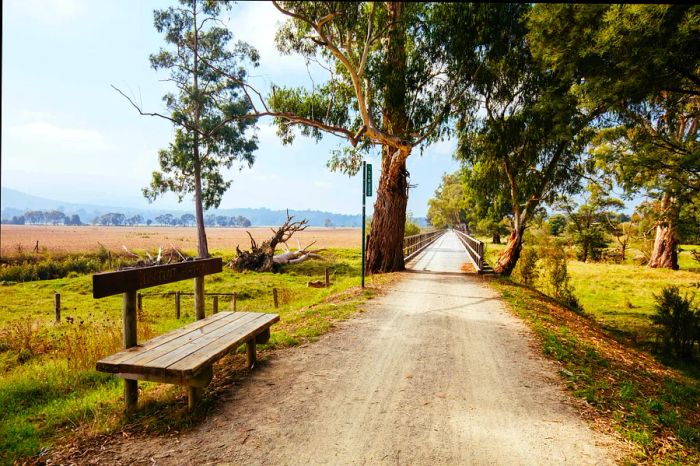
366,192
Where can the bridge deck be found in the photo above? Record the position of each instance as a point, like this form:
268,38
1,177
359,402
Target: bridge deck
447,254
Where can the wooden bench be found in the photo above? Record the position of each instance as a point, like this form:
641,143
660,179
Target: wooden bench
184,356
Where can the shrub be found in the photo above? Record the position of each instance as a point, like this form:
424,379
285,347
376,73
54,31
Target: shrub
677,322
527,266
557,276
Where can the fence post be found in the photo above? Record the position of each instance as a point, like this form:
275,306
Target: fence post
139,306
131,392
233,301
177,304
274,297
215,307
328,278
57,305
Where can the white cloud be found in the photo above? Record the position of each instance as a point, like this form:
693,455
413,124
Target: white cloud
49,135
49,11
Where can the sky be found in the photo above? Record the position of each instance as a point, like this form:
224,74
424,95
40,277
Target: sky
67,135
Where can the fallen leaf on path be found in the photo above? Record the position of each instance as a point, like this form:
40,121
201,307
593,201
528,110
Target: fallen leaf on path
408,375
441,395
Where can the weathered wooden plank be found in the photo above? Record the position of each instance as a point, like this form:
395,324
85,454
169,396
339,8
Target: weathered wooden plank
201,380
145,357
111,283
116,358
160,363
219,347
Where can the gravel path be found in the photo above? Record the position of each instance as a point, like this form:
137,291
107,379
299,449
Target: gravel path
434,372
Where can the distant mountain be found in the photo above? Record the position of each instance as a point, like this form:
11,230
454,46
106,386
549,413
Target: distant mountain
16,203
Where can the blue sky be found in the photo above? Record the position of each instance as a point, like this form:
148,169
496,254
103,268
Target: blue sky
67,135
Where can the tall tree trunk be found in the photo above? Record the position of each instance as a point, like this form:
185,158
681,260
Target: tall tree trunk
665,252
202,247
509,257
496,238
385,245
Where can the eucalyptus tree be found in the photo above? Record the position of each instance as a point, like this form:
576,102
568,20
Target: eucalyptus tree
532,130
204,109
386,87
643,63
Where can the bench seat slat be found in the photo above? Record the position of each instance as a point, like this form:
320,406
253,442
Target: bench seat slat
192,363
167,347
117,358
182,353
185,348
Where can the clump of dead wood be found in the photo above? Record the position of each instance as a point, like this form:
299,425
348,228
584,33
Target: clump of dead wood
262,258
167,256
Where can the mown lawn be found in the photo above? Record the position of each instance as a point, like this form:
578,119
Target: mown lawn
48,388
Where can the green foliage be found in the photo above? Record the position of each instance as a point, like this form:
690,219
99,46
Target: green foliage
557,276
30,267
557,224
209,108
677,322
526,269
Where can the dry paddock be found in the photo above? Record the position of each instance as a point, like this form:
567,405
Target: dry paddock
71,239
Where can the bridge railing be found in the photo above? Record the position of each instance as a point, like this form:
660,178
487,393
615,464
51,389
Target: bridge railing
414,244
475,249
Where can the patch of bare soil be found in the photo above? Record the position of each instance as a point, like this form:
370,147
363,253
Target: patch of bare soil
435,372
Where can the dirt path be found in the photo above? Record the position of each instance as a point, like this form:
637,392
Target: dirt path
435,372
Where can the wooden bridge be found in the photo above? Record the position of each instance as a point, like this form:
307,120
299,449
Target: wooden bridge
445,251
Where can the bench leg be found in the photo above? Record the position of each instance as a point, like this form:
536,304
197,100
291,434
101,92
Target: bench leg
194,394
131,395
250,353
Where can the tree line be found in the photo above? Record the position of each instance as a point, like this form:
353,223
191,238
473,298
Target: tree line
55,217
578,100
44,217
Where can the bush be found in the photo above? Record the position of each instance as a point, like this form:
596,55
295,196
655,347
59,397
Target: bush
557,276
677,322
527,266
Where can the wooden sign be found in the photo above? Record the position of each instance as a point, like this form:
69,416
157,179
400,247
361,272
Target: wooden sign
111,283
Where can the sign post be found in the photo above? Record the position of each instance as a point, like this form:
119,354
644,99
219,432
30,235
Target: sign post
366,192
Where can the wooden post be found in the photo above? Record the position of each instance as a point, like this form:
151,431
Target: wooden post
328,278
233,302
199,298
139,300
194,394
177,304
57,305
215,307
250,353
274,297
131,392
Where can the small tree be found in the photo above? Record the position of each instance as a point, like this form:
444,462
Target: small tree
202,110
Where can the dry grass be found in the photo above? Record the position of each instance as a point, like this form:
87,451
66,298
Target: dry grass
71,239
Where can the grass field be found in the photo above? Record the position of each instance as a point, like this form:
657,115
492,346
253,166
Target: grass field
49,390
67,239
621,296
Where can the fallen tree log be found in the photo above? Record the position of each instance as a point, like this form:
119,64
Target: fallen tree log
262,258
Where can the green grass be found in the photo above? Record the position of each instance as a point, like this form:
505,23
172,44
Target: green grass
621,296
656,409
48,388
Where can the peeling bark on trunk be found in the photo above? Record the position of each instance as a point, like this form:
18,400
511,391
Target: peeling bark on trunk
510,255
385,250
665,252
202,247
